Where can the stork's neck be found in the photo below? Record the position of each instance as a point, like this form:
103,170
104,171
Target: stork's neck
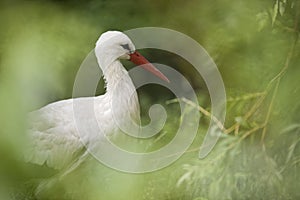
117,78
120,90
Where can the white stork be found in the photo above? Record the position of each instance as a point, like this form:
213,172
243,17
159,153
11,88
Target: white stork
53,139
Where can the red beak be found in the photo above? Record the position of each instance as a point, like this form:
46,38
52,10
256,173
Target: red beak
138,59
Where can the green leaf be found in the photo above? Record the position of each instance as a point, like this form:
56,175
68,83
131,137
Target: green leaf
281,8
275,12
262,18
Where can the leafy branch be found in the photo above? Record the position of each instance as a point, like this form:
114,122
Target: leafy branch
261,96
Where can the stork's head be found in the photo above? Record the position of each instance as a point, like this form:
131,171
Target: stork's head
113,45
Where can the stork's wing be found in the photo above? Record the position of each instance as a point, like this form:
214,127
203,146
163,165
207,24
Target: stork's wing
52,136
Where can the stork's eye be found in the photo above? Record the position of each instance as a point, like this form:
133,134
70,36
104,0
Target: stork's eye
126,46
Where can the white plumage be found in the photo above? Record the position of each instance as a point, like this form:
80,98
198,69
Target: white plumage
53,139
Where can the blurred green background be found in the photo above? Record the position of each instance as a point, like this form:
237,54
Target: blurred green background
254,44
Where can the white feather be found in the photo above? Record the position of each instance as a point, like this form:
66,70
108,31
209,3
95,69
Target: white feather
53,136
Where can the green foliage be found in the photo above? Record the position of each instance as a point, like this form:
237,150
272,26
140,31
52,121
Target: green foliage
255,45
242,172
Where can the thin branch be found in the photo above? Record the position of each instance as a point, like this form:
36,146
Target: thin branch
279,75
255,106
269,111
246,97
201,109
262,95
246,135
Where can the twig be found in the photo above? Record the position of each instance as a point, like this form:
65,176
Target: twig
246,97
262,95
279,76
269,111
255,106
247,134
201,109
